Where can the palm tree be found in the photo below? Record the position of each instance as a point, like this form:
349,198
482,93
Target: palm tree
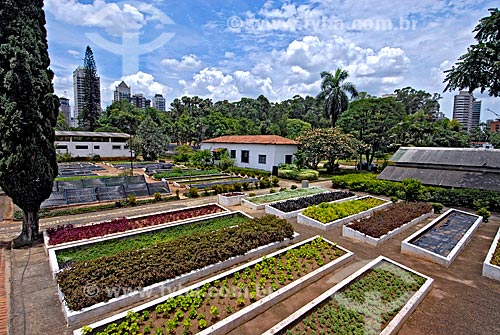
333,93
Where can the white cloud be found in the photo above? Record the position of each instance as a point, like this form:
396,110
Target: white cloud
229,54
141,82
75,53
115,19
211,83
187,62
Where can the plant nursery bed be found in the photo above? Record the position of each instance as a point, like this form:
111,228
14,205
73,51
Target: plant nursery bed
91,288
231,199
328,215
69,234
377,299
491,265
442,239
288,209
221,303
388,222
61,257
260,201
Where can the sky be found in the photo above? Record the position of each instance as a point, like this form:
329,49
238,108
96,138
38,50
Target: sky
225,50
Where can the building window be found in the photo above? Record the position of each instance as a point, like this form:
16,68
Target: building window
97,147
262,159
288,159
62,147
117,147
82,147
245,156
233,154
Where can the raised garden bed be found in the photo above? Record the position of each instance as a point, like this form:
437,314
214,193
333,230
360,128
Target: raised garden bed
260,201
442,239
69,234
388,222
89,289
326,216
491,265
231,199
185,173
225,181
288,209
223,302
377,299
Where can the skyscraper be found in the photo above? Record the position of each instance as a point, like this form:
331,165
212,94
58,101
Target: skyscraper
476,113
122,92
78,91
159,102
139,101
65,109
462,109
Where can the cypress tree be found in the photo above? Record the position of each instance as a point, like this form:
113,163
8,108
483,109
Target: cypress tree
28,112
89,116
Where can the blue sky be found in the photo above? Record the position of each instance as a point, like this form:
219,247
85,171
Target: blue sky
233,49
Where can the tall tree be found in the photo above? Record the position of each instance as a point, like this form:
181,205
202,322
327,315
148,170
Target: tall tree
333,93
91,110
28,112
151,139
480,66
418,100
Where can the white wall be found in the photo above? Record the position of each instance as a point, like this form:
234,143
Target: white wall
103,149
275,154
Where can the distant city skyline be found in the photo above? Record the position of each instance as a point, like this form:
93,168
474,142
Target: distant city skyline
222,50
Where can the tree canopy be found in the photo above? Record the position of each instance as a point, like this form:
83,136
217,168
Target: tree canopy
91,109
28,112
480,66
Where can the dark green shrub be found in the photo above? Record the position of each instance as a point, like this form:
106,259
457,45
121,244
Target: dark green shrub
265,183
272,190
413,189
157,196
275,181
437,207
484,213
245,185
237,187
193,192
394,199
132,200
293,187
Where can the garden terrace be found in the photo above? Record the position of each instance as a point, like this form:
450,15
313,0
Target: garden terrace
185,173
443,238
221,303
138,269
226,181
304,202
386,223
258,202
70,233
141,240
377,299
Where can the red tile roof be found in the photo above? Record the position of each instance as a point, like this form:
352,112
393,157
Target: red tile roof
251,139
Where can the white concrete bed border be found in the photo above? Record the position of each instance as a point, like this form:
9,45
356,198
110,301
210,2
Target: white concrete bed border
234,200
393,326
247,203
74,317
48,246
410,249
489,270
305,220
252,310
270,209
376,241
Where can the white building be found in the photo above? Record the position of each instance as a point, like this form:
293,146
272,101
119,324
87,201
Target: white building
89,144
159,102
255,151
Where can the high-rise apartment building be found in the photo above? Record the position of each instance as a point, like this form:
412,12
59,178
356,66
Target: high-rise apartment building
65,109
476,113
139,101
122,92
78,91
466,110
159,102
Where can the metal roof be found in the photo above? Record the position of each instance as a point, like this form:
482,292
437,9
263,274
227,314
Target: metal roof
449,167
252,139
91,134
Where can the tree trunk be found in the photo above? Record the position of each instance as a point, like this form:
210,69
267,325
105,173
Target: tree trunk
30,232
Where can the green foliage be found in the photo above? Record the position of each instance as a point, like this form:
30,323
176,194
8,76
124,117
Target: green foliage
271,191
293,187
333,93
480,66
132,200
152,140
91,107
448,197
294,127
202,158
265,183
250,172
28,112
412,189
157,196
184,154
175,173
193,192
484,213
326,212
275,181
438,207
299,174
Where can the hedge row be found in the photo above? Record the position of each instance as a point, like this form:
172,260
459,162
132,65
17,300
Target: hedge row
468,198
299,174
250,172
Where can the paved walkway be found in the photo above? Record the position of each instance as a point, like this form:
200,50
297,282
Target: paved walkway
4,290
